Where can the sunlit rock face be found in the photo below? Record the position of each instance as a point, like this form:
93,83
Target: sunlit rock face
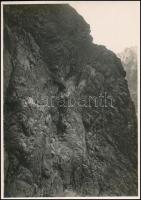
61,139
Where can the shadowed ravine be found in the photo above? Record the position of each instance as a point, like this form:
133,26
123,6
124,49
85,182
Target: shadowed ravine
80,149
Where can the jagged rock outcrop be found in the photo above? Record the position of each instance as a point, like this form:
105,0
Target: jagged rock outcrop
129,61
53,148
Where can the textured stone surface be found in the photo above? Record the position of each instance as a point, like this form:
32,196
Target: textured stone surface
64,151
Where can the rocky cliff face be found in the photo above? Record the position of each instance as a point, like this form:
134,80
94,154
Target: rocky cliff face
129,61
54,146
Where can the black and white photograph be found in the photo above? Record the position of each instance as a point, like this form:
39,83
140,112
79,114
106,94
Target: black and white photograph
70,99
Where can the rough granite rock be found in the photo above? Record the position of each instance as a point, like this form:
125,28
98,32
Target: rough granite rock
62,150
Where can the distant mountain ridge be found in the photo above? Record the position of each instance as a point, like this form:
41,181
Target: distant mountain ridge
129,61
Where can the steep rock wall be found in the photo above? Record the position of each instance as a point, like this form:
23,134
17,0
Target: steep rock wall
60,150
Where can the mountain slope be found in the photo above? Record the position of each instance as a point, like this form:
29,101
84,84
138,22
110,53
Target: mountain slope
54,146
